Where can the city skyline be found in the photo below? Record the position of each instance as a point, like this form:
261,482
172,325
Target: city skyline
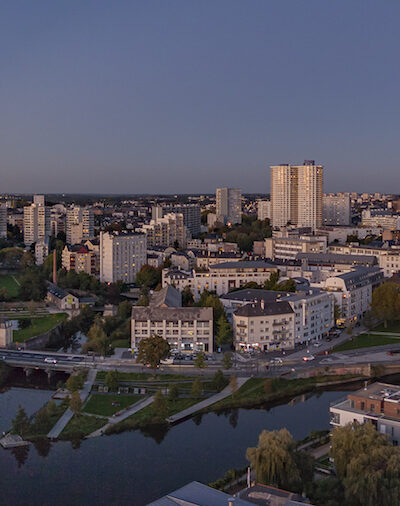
152,98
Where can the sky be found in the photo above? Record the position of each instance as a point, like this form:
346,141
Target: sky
183,96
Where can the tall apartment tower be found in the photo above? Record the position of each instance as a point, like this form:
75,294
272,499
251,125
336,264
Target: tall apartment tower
36,221
296,195
191,216
229,205
121,256
336,209
3,221
79,224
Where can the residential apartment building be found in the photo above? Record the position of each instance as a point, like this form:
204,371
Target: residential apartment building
79,258
36,221
191,216
263,210
220,278
336,210
3,221
353,291
42,250
79,224
287,248
229,205
377,403
166,231
186,329
378,218
204,259
296,195
264,326
313,311
121,256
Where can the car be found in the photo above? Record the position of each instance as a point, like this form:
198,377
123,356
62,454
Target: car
167,361
393,352
50,360
317,345
307,358
276,361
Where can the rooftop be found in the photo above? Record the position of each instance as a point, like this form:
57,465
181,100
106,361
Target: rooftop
171,313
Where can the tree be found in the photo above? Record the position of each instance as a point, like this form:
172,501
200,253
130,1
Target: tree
224,332
197,388
369,320
4,295
219,380
124,309
112,380
148,276
233,384
152,350
173,392
386,302
75,403
276,461
143,300
160,406
200,361
74,383
187,297
337,313
20,423
24,323
349,329
227,360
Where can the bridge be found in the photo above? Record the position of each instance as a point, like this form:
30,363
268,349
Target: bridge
47,361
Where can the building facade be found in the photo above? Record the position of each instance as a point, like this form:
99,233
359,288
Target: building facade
229,205
287,248
263,210
36,221
336,210
166,231
3,221
79,224
296,195
121,256
79,258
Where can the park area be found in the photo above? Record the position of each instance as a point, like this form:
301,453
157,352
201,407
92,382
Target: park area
109,404
38,326
10,283
366,341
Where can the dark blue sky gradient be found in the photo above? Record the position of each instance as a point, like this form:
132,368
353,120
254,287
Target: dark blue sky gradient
181,96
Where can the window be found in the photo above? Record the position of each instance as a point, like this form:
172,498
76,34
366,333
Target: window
362,405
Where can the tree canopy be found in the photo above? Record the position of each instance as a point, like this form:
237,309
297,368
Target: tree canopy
386,302
152,350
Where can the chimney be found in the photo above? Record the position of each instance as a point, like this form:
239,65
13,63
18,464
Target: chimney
54,267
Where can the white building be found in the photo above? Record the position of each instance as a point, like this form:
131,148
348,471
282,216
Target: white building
3,221
287,248
220,278
263,210
79,224
296,195
336,209
36,221
41,251
186,329
229,205
166,231
121,256
377,218
6,333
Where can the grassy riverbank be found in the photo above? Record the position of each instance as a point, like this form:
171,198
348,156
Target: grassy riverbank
81,426
38,326
365,341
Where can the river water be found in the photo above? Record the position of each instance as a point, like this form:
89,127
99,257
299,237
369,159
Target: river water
134,468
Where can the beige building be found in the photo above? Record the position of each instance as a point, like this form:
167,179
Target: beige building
166,231
263,210
287,248
79,224
296,195
36,221
6,333
121,256
186,329
78,258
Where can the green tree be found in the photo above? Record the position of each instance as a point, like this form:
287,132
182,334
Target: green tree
160,406
369,320
75,403
197,388
74,383
20,423
386,302
124,310
200,361
152,350
224,331
233,384
148,276
187,297
173,392
112,380
143,300
227,360
276,461
219,380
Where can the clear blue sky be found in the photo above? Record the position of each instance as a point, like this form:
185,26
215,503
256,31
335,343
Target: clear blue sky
181,96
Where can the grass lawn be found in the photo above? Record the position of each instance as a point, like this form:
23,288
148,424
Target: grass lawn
81,426
391,327
101,404
365,341
121,343
8,281
39,326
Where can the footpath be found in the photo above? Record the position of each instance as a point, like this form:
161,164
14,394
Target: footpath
226,392
66,417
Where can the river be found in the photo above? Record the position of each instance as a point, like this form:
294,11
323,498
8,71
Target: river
134,468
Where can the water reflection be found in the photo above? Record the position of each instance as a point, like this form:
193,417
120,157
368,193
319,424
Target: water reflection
21,454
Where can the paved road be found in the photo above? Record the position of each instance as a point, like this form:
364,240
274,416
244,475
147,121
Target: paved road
207,402
66,417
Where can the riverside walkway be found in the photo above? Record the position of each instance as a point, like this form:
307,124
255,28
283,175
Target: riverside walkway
66,417
226,392
138,406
